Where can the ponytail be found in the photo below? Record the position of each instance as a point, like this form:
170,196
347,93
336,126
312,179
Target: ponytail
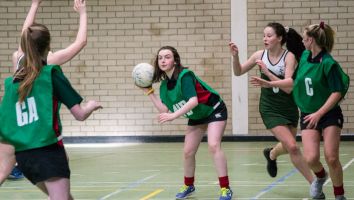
290,37
294,43
34,43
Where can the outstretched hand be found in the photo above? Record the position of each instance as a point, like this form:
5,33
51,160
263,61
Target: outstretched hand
93,105
257,81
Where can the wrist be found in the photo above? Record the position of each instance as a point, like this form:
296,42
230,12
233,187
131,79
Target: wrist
150,91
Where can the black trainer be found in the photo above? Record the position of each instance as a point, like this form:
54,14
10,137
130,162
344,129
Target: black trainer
271,164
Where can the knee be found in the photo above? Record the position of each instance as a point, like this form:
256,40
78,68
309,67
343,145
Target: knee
213,148
189,153
332,160
292,148
311,159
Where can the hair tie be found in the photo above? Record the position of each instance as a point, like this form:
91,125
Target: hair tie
287,29
322,25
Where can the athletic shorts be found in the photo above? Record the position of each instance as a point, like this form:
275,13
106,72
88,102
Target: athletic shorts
219,114
43,163
333,117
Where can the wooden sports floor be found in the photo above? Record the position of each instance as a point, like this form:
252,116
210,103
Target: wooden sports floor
153,171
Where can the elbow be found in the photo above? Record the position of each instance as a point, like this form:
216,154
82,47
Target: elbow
83,43
80,117
237,73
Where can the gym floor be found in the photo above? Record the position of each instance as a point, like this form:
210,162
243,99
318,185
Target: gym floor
154,171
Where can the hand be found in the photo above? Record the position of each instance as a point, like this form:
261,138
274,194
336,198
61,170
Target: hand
165,117
262,67
80,6
312,120
93,105
257,81
233,49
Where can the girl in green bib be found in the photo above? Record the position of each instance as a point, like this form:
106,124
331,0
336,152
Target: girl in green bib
30,118
318,85
59,57
182,93
30,108
276,106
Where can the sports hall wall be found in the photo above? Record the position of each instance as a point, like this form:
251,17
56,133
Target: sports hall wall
123,33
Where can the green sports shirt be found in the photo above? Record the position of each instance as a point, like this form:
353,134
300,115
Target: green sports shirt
314,82
174,98
36,122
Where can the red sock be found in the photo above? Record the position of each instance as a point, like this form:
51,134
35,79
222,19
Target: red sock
188,181
224,181
321,173
338,190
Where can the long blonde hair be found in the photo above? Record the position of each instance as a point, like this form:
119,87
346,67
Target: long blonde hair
35,42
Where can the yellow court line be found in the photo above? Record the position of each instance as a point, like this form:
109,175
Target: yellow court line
151,194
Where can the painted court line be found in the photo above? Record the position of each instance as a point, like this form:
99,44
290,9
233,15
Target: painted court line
152,194
282,179
344,167
130,186
272,185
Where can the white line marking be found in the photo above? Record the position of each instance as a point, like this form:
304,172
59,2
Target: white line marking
345,167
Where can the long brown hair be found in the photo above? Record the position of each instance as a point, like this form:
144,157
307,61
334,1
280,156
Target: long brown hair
160,75
290,37
35,42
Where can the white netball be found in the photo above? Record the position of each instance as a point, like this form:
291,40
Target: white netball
142,74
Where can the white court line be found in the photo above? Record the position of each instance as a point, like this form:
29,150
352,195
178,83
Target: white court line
130,186
345,167
100,145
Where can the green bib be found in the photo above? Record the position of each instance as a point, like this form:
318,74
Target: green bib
29,124
173,99
310,88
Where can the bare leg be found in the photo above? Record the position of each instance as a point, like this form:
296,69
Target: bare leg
277,150
331,138
56,188
286,137
215,133
311,143
7,160
194,135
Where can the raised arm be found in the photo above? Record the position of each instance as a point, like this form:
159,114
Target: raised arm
239,68
64,55
31,16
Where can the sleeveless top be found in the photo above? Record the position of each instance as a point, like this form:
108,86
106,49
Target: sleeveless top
174,100
311,88
276,106
29,124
